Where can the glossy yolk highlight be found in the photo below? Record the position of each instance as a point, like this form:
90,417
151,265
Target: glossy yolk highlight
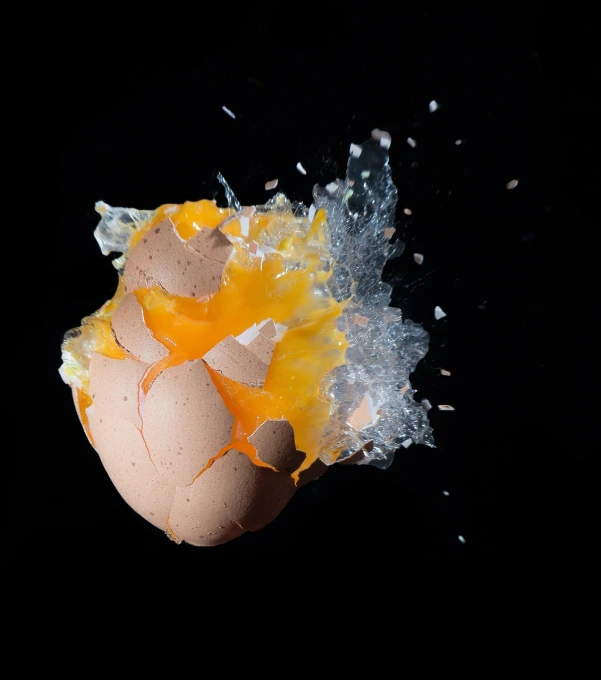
255,289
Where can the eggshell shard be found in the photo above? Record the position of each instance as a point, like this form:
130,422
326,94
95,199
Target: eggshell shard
132,334
185,421
234,495
364,415
359,455
313,472
114,387
115,427
274,442
192,268
242,363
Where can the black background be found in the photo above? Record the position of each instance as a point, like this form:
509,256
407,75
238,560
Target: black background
142,125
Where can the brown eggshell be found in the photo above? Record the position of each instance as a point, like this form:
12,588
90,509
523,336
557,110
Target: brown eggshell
232,492
191,268
268,329
114,385
274,442
114,424
131,331
237,362
211,244
313,472
185,421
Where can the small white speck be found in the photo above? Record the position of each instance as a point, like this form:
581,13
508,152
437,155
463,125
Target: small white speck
433,106
461,539
272,184
407,443
244,225
331,187
512,185
231,114
444,372
408,211
412,143
312,211
458,142
426,404
356,150
438,313
365,174
446,407
383,137
418,257
300,168
445,493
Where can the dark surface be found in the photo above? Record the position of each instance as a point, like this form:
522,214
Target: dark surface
141,135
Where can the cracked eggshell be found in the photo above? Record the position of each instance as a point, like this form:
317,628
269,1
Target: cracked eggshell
238,362
131,332
313,472
115,426
233,492
185,421
192,268
274,443
113,387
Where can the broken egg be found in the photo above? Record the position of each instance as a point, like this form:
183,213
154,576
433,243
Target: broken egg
247,350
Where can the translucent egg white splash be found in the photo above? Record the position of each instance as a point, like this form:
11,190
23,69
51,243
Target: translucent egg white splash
385,349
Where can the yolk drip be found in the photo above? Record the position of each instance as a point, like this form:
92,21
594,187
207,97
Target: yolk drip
287,287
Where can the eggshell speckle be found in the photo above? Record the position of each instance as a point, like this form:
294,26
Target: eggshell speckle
234,495
190,268
185,421
274,442
238,362
132,333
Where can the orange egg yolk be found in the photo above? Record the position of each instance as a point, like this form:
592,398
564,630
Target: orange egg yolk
287,287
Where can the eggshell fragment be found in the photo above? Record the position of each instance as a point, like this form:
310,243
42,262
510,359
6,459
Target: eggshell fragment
359,455
363,415
113,387
185,421
115,427
234,495
267,328
313,472
192,268
239,362
131,331
274,442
